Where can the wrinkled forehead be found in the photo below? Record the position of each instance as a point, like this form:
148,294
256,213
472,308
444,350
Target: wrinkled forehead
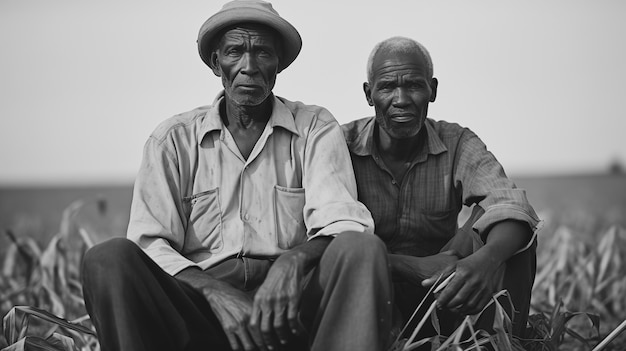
249,31
399,63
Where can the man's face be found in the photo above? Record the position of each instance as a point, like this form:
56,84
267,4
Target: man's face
400,91
246,59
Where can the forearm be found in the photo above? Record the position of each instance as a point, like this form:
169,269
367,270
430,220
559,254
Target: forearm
504,239
415,269
306,255
405,267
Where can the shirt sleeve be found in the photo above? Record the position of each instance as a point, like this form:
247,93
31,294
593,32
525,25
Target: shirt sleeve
331,205
485,183
157,210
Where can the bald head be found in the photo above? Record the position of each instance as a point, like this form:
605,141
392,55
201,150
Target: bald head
399,45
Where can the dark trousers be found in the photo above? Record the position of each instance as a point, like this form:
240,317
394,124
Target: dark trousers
518,279
135,305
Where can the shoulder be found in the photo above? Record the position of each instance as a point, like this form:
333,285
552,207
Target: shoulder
181,126
446,128
308,117
450,133
354,129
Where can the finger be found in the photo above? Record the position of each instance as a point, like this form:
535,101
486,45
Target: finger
453,291
456,299
267,330
245,339
281,326
255,315
484,300
438,277
471,306
232,340
257,339
292,317
254,329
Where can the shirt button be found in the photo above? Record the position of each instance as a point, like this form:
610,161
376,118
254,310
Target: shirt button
246,217
394,182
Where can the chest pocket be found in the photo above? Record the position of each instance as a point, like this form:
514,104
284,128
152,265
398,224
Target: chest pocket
289,220
205,222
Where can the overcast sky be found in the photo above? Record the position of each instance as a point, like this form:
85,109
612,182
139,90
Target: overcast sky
83,83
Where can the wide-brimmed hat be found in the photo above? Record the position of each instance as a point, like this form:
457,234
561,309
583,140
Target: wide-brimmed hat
250,11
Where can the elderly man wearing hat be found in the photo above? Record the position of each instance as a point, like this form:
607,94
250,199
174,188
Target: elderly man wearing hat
245,231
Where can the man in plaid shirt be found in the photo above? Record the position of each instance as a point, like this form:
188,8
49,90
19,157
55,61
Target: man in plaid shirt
415,174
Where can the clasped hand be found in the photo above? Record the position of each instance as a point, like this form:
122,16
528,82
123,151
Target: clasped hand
269,319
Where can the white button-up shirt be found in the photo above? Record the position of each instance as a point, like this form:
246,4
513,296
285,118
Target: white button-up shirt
197,201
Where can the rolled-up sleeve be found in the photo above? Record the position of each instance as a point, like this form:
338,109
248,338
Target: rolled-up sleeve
331,204
485,183
157,211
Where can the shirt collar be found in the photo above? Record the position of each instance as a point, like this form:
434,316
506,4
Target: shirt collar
281,117
363,144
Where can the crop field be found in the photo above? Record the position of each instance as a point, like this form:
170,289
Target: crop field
579,296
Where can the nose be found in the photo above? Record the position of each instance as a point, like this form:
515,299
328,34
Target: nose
400,97
248,64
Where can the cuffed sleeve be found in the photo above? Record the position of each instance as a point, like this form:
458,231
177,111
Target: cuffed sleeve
485,183
331,199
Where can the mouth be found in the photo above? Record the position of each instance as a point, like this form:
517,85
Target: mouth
403,118
248,86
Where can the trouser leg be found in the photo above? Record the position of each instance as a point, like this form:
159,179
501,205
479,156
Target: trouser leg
407,297
519,278
136,306
346,304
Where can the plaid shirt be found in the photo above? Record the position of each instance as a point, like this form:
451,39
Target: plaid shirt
452,168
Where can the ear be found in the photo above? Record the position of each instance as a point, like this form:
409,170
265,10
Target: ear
368,93
433,87
214,64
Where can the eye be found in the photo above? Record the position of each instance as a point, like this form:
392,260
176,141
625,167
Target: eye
384,86
266,53
233,51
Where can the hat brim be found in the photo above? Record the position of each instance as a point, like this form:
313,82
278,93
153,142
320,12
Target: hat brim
292,42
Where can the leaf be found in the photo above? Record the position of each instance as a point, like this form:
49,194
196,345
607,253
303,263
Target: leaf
10,260
500,322
17,346
62,341
68,219
578,337
434,320
415,345
23,329
54,319
430,310
9,324
86,237
34,343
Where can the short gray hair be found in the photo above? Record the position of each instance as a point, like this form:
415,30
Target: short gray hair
399,45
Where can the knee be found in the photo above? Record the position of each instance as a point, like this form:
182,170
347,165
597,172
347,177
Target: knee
109,258
359,247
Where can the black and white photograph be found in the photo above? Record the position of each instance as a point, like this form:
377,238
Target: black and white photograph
312,176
